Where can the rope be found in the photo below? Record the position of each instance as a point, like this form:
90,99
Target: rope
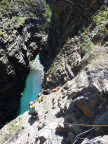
87,125
80,134
78,124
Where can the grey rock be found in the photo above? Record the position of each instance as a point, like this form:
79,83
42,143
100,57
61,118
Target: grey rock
102,119
88,101
40,140
59,110
70,138
97,140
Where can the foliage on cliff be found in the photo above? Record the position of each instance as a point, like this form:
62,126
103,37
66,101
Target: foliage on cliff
4,4
48,12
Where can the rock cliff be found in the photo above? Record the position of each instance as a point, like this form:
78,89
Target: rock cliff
75,88
82,100
68,17
20,42
71,40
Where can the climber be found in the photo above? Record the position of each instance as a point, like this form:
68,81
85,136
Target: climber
32,110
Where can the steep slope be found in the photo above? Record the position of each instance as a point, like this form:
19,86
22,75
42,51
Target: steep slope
80,70
82,100
70,55
68,17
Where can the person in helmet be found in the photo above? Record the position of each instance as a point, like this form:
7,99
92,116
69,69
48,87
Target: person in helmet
32,109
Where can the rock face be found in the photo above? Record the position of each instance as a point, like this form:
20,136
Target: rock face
66,22
67,112
63,57
20,41
64,67
97,140
81,100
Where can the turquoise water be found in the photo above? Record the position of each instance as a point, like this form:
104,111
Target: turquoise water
32,89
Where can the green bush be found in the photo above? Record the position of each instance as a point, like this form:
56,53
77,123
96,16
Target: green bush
100,16
85,43
48,12
4,4
1,32
18,20
6,26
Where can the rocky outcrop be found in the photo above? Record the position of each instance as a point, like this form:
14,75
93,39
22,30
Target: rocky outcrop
68,17
20,42
64,67
82,100
68,39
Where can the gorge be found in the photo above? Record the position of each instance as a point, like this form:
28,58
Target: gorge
73,47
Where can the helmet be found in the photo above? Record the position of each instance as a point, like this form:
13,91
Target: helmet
31,102
33,106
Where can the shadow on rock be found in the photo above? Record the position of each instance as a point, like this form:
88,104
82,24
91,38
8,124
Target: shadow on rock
83,109
31,120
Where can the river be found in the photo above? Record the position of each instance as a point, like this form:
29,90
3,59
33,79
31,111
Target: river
32,85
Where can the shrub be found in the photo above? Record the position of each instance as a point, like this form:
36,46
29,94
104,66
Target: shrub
18,20
48,12
100,16
1,32
4,4
6,26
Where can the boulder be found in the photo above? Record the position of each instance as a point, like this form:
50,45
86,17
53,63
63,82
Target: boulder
88,101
